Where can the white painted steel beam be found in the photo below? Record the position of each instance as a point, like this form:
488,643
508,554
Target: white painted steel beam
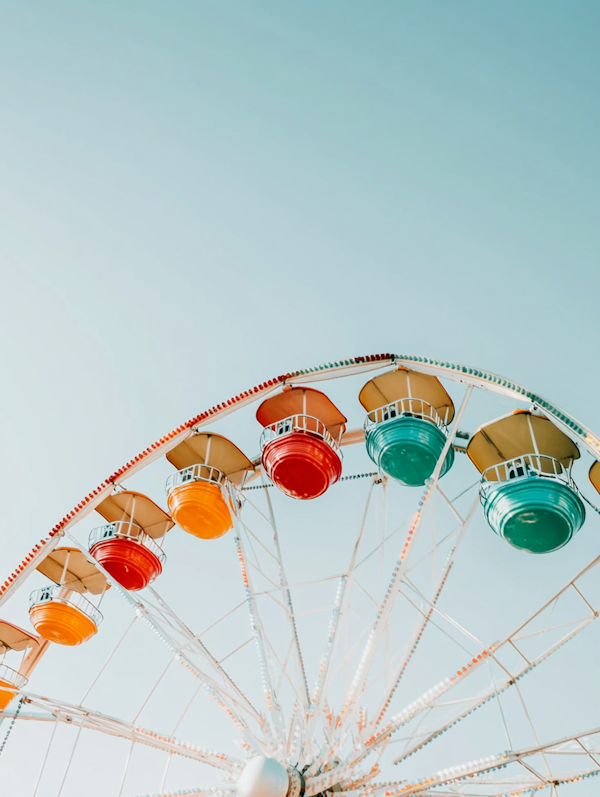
103,723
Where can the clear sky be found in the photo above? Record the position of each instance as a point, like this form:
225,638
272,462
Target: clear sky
196,196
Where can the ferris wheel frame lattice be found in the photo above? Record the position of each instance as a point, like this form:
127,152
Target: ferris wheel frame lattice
300,745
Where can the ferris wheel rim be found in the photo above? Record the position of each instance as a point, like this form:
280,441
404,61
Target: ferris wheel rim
482,379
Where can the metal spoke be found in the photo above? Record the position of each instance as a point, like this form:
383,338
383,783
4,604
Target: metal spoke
432,698
471,772
193,655
491,653
385,609
274,708
341,605
425,619
287,596
206,791
94,720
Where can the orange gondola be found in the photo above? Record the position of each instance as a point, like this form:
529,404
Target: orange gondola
126,547
301,441
198,494
594,476
13,638
60,613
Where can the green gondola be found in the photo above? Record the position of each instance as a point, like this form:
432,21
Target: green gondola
528,495
405,429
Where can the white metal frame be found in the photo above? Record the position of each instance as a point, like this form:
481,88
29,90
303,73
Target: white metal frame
12,677
298,423
196,473
266,731
527,465
404,408
126,530
55,593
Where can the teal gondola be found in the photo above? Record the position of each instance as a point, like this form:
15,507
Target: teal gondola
406,425
528,495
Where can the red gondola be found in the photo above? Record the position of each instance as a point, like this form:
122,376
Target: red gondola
126,547
301,441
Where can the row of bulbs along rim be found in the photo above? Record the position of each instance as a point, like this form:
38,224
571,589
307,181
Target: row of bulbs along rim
528,495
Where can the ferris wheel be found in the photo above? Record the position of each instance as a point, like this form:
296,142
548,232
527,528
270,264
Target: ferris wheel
324,585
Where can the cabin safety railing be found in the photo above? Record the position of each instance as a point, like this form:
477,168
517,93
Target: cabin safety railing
298,423
525,466
195,473
404,408
12,677
56,593
126,530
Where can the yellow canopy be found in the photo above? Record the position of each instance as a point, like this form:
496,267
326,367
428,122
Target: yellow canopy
80,575
14,638
302,401
519,433
595,475
214,450
403,383
138,508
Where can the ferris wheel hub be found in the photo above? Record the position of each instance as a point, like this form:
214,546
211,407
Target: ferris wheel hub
264,777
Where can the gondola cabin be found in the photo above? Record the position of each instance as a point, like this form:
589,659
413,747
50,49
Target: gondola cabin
128,546
198,494
61,612
527,492
12,640
406,426
300,443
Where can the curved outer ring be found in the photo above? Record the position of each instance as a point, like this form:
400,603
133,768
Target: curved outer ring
453,371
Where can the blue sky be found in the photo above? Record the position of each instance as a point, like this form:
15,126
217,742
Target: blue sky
197,196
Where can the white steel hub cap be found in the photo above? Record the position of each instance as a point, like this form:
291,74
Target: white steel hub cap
263,777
